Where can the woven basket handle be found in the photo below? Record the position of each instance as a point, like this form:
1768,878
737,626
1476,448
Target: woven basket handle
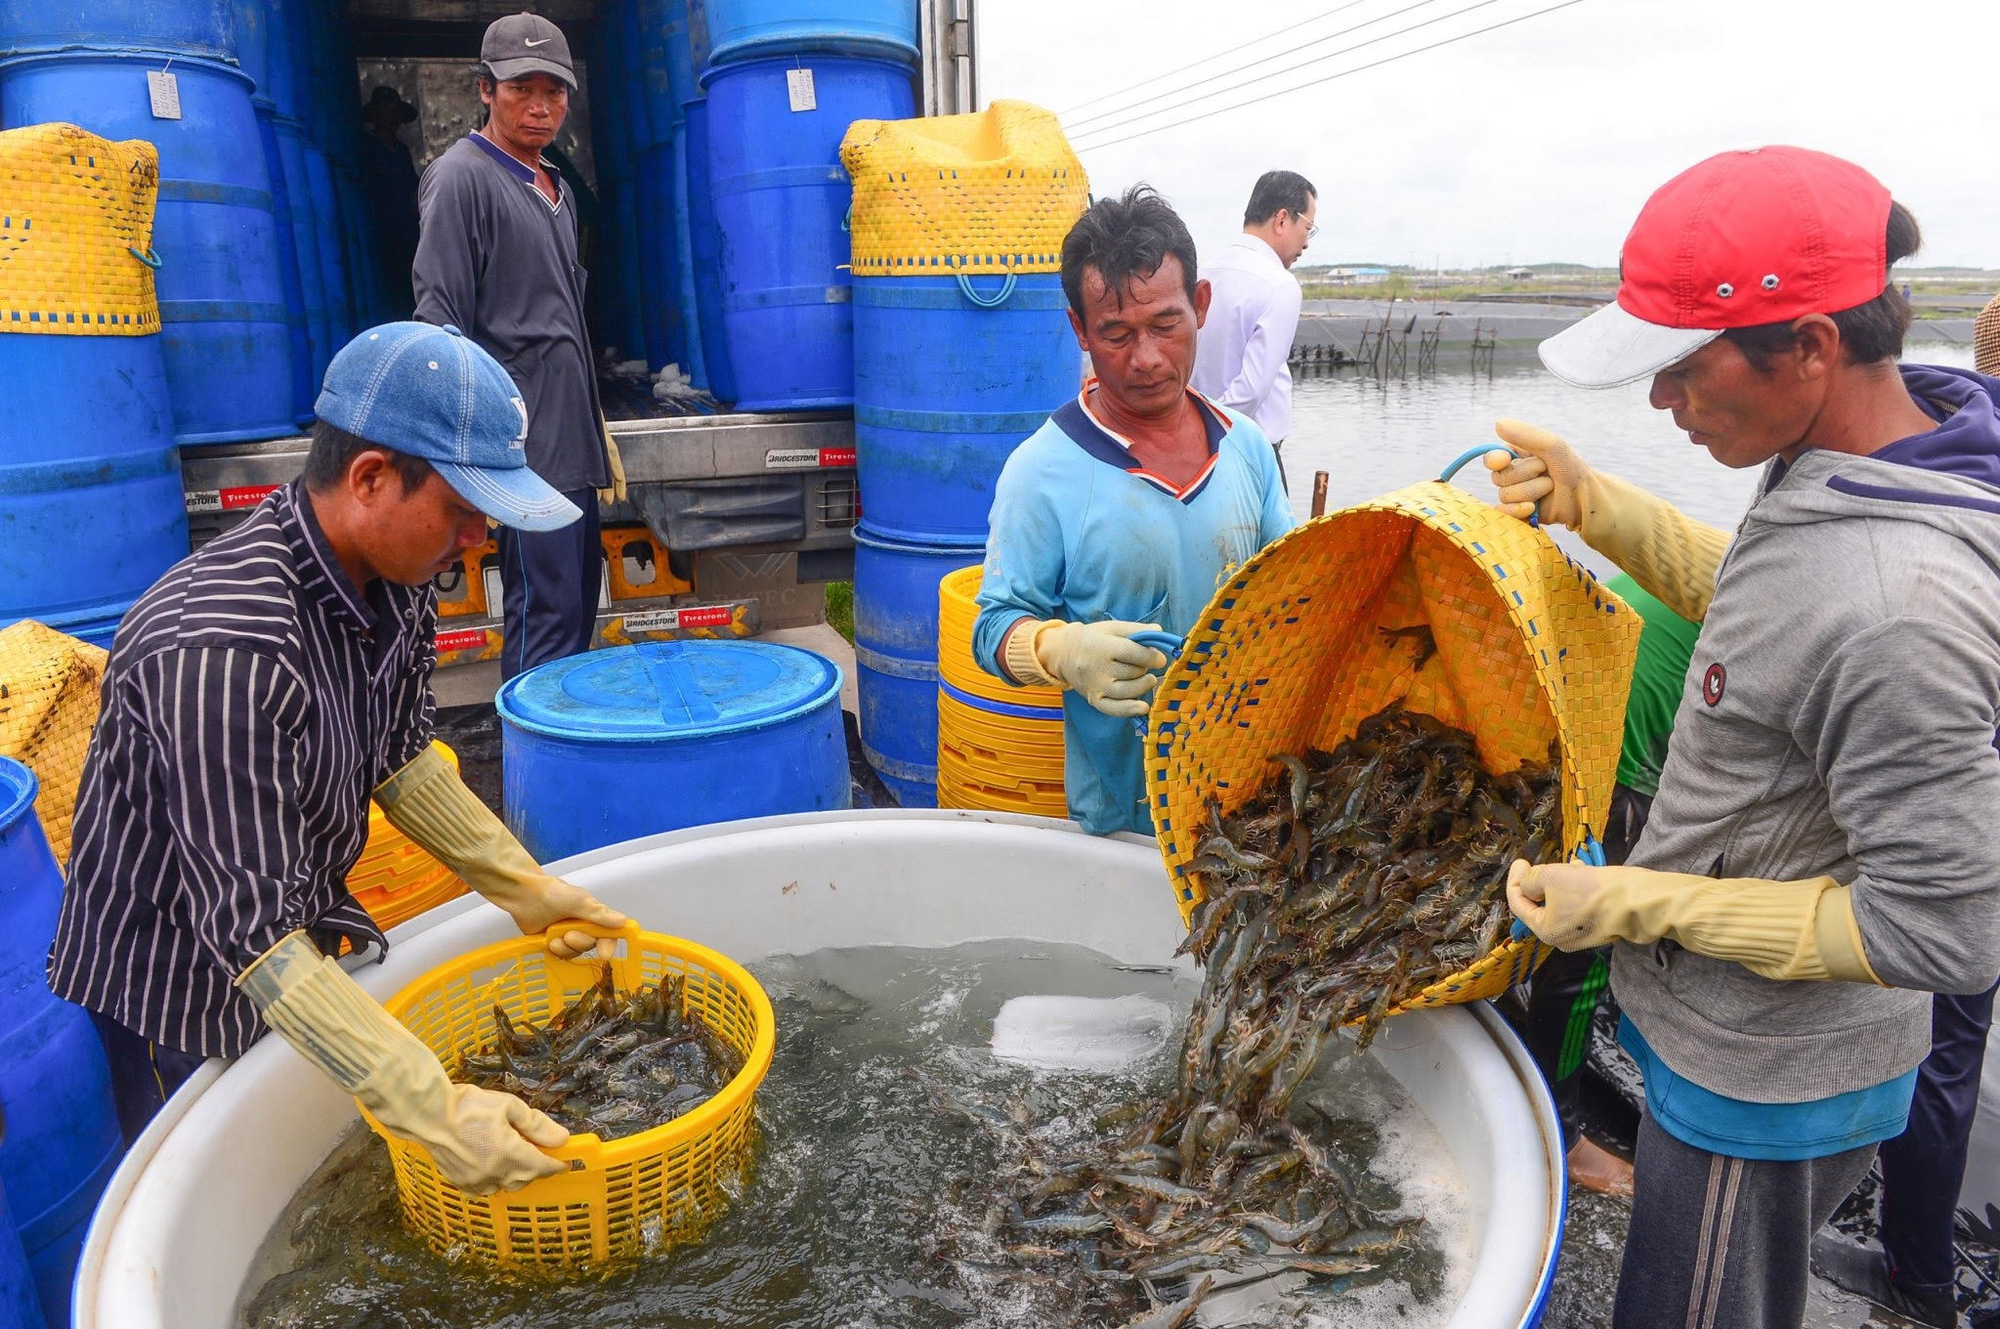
1459,462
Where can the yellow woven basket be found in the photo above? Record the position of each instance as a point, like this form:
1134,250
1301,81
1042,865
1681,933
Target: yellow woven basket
620,1197
76,233
50,690
1292,652
992,192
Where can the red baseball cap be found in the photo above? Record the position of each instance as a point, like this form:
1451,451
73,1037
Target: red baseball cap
1742,239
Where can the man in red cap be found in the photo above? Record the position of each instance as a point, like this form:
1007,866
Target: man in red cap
1818,862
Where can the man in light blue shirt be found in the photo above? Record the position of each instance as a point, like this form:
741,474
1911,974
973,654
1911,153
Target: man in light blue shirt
1126,510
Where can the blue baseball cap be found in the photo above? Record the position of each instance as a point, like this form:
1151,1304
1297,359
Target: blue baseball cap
432,392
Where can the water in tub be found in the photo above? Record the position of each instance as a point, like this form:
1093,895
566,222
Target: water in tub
907,1085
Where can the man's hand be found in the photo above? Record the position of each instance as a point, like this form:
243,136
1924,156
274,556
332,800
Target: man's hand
615,491
1547,478
1561,903
485,1141
427,801
1102,662
538,902
1792,931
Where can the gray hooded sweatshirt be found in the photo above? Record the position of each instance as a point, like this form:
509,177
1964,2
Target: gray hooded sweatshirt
1838,720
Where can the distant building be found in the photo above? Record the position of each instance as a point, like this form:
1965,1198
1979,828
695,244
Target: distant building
1520,274
1355,276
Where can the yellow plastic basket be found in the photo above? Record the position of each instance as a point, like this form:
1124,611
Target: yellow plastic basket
1294,650
620,1197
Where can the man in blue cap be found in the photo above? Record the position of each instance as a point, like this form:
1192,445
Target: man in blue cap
256,696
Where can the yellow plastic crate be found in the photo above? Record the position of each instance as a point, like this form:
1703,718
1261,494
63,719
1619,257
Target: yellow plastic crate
394,880
621,1197
958,608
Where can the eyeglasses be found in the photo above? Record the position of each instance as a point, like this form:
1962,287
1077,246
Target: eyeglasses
1312,229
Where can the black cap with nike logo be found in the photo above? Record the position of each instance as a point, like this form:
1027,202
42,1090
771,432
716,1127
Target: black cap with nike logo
526,44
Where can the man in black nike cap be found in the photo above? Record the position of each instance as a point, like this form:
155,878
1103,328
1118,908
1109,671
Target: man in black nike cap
498,258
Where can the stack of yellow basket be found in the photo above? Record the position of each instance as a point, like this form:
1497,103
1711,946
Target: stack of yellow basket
393,879
1000,748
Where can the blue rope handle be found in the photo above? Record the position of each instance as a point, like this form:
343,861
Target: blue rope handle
1464,458
151,258
994,302
1167,643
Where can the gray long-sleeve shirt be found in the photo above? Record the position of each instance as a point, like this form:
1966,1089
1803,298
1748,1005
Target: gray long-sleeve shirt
1838,720
497,260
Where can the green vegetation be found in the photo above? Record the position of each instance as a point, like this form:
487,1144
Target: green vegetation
840,608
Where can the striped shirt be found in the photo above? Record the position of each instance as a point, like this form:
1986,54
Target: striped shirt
253,701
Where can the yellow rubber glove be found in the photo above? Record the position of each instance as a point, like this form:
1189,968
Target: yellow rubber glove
615,491
1667,552
427,801
1098,660
1797,930
482,1141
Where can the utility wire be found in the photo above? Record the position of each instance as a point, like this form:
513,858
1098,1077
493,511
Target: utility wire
1265,60
1291,68
1213,55
1300,87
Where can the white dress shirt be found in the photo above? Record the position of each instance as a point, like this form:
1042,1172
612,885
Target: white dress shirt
1252,316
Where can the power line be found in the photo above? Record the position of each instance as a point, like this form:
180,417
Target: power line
1267,59
1214,55
1373,64
1292,68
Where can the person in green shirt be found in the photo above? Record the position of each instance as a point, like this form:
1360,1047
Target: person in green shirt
1563,997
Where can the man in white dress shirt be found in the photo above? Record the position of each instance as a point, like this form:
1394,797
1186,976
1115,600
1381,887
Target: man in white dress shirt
1254,312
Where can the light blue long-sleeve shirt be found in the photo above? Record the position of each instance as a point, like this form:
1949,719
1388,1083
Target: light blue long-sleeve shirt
1082,532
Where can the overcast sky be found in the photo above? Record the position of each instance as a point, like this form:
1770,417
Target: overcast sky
1534,143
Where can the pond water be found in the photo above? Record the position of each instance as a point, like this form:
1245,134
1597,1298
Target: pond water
1372,435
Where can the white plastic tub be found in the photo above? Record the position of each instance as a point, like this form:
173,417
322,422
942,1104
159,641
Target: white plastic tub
177,1229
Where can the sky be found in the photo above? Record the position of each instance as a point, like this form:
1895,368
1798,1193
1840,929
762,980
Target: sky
1534,143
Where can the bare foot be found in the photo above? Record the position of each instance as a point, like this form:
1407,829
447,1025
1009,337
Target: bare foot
1596,1168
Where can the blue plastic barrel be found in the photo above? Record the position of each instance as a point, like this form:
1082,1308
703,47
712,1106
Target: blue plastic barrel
305,227
659,255
332,246
19,1306
630,741
196,28
740,30
781,200
91,509
62,1140
896,653
705,249
950,374
224,332
614,271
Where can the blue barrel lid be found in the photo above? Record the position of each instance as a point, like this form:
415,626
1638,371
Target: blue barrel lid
659,690
17,792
